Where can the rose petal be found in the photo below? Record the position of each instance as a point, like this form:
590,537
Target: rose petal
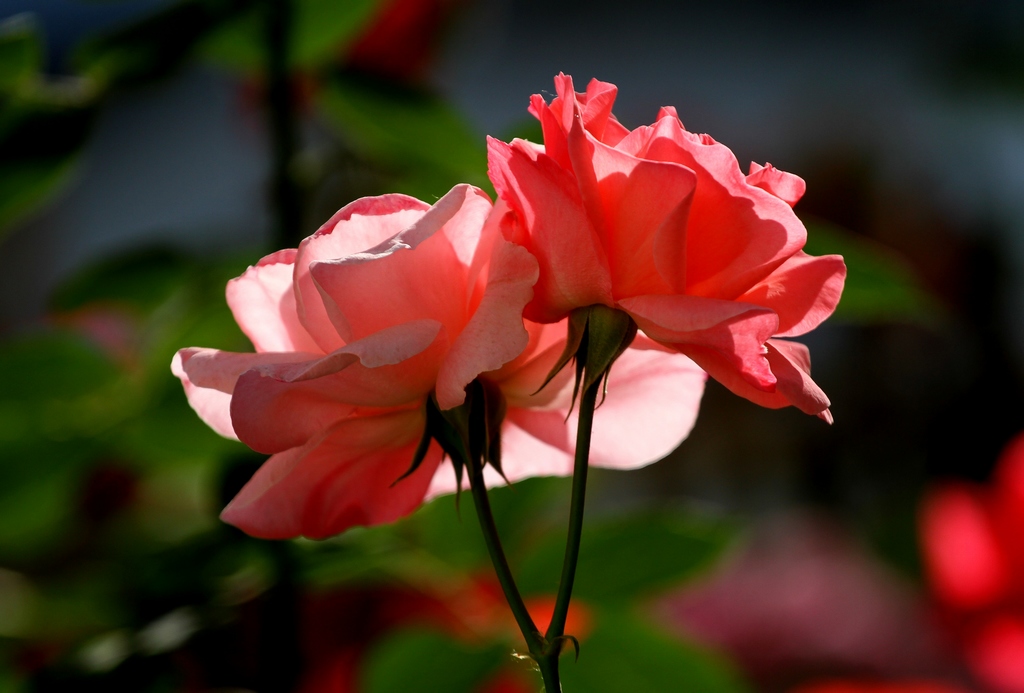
494,334
803,291
263,303
209,377
640,208
414,275
521,378
786,186
737,234
574,269
651,406
343,479
356,227
280,407
735,331
791,364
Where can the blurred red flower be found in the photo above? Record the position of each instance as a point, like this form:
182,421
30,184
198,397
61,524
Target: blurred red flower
972,538
878,687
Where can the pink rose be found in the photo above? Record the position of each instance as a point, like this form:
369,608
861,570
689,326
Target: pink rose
661,223
392,301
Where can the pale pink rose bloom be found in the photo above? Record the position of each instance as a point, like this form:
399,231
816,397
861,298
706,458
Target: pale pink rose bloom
661,223
390,301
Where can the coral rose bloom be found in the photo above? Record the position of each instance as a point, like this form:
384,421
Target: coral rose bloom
392,300
661,223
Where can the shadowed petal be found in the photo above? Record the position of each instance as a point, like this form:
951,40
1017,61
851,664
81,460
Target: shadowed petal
356,227
791,364
640,208
209,377
735,331
737,233
574,269
280,407
803,291
786,186
495,334
337,481
263,303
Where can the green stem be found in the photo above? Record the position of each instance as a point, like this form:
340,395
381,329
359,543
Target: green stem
482,502
581,465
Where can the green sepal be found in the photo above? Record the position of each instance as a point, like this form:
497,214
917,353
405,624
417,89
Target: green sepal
597,336
609,333
419,455
573,640
577,329
494,408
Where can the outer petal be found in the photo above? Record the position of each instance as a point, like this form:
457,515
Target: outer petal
596,109
803,291
640,208
786,186
965,563
737,233
521,378
415,275
356,227
573,266
263,303
736,332
342,479
495,334
651,406
280,407
791,364
209,376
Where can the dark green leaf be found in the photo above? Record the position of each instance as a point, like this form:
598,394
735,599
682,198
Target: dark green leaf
42,129
321,30
625,558
415,661
35,516
52,365
416,135
21,52
142,279
625,653
880,286
24,186
153,47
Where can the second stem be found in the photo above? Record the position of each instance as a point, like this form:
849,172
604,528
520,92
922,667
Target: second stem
555,635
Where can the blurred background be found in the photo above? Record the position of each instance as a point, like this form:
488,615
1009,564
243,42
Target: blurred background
151,149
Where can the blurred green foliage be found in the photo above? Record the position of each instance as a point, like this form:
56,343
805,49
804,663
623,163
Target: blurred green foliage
880,286
43,121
